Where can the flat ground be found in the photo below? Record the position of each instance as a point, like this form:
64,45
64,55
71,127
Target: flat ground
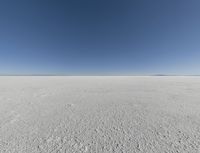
99,114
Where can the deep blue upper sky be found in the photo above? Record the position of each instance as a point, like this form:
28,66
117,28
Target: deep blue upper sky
100,37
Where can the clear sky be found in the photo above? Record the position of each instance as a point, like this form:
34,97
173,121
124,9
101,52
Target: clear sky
86,37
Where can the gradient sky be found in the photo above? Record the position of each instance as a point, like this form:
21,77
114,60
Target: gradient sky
100,37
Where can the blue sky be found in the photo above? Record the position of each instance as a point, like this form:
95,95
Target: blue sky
100,37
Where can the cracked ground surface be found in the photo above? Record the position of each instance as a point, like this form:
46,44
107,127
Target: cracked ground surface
99,114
